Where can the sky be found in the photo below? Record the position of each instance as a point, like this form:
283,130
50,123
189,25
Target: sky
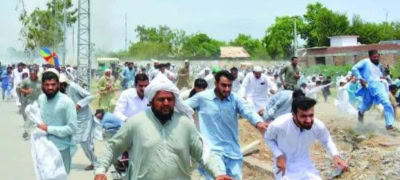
220,19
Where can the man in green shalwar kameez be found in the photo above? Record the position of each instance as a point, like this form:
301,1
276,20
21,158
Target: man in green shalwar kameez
161,141
106,88
59,116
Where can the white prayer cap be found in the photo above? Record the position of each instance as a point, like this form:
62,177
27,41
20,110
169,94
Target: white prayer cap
162,83
207,69
154,61
53,71
107,70
257,69
63,78
186,61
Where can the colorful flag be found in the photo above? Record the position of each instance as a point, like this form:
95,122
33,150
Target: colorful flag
49,56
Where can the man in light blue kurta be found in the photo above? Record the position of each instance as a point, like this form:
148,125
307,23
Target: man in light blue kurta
218,111
370,73
59,116
85,120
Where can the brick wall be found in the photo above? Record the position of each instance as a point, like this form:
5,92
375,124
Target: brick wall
339,60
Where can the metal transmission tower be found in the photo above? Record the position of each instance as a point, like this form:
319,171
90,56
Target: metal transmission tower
84,43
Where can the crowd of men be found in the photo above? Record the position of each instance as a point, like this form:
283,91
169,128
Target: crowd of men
165,122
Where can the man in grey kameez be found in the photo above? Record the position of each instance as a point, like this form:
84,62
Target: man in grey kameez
280,104
59,116
161,141
85,121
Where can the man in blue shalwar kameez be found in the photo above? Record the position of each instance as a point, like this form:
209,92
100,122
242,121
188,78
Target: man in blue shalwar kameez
370,73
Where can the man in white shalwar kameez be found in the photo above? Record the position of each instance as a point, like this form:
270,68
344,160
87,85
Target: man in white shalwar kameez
289,138
85,120
132,101
342,101
255,89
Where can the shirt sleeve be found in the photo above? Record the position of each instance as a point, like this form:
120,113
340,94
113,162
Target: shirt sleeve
271,138
120,106
357,68
193,102
245,110
121,142
283,71
242,90
86,96
70,127
273,105
325,138
203,154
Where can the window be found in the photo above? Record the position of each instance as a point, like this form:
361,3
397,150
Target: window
320,60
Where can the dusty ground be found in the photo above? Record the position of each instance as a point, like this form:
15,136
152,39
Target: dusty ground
362,145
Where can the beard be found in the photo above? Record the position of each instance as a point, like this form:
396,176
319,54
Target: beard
50,95
303,126
163,118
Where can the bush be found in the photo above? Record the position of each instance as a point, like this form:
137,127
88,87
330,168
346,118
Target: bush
329,70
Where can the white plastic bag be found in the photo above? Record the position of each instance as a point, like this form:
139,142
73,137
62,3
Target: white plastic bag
47,160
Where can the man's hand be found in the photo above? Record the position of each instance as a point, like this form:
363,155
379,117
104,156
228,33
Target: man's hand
108,86
262,127
223,177
261,112
43,127
78,107
284,84
100,177
340,163
281,164
363,83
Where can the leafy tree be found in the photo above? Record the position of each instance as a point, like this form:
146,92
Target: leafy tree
279,37
148,50
44,27
253,46
200,46
320,23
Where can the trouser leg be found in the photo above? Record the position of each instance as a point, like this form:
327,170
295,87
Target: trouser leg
388,111
67,160
234,167
88,149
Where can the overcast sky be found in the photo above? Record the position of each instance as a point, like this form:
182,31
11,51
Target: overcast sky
221,19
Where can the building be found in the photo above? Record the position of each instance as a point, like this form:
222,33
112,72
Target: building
230,52
345,50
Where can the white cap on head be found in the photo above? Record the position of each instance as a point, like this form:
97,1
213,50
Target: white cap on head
257,69
53,71
107,70
63,78
186,61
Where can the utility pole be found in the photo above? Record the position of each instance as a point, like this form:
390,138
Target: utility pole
126,32
84,43
65,32
294,39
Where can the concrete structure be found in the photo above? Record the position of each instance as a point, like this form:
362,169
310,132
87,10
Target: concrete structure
390,54
342,41
230,52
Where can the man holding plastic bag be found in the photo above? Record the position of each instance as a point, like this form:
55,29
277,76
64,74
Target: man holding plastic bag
59,116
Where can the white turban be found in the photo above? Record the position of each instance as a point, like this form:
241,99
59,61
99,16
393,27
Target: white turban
162,83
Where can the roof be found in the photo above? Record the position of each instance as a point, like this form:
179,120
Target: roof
344,36
106,59
352,49
233,52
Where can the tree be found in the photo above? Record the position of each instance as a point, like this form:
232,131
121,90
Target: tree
148,50
44,27
251,45
320,23
200,46
279,36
